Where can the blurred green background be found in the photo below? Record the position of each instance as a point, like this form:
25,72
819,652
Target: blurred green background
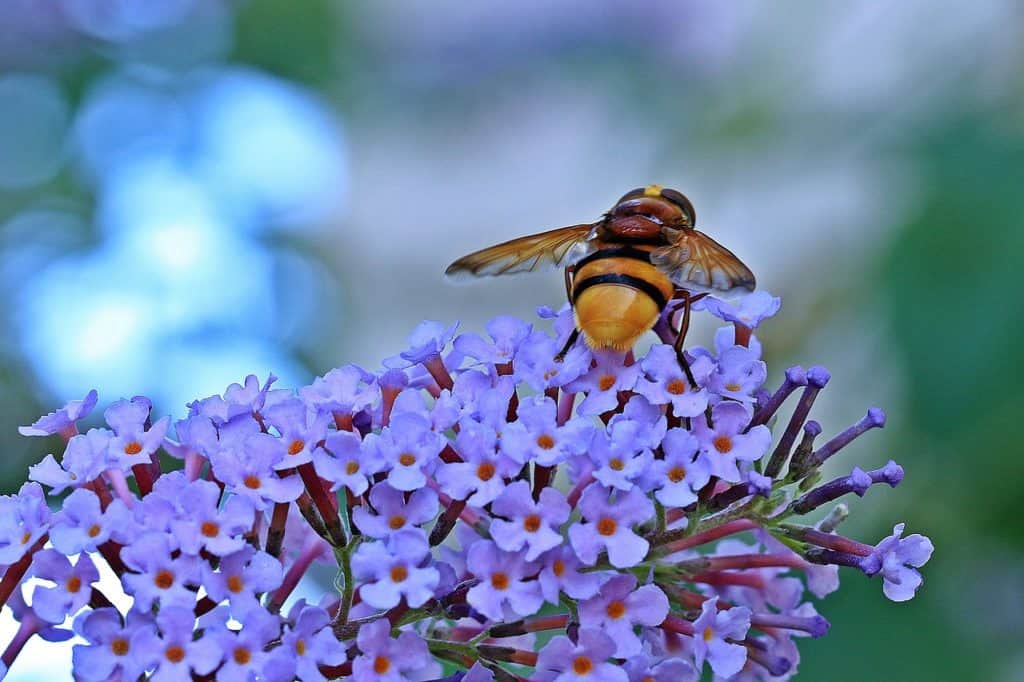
191,190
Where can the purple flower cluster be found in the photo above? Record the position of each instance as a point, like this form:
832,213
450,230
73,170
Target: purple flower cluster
642,517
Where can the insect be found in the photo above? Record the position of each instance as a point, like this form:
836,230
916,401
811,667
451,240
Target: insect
622,271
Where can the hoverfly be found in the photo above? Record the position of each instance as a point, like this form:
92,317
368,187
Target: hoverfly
623,270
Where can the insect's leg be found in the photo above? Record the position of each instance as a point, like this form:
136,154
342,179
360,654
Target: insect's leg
681,337
570,270
688,300
568,344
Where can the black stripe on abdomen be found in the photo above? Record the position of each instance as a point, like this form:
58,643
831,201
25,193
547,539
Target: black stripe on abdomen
615,252
625,280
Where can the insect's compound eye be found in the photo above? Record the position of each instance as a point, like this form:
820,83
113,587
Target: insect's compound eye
682,202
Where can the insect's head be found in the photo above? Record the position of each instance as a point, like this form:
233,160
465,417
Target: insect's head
643,212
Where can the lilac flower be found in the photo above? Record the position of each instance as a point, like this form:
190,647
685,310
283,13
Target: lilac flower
712,630
666,383
72,589
239,399
618,461
245,650
563,661
344,461
739,373
642,669
481,476
609,525
502,577
678,477
531,524
80,525
898,560
204,525
196,434
159,577
537,364
383,659
506,332
560,572
393,570
241,577
24,518
536,435
33,622
640,422
249,471
175,652
109,645
410,447
85,458
619,607
603,383
306,644
393,511
749,311
725,443
300,430
347,389
60,420
426,341
510,468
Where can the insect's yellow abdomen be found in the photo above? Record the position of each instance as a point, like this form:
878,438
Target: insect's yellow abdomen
612,308
614,316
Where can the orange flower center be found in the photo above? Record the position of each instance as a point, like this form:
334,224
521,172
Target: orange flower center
616,610
499,581
236,584
94,530
174,653
381,665
581,665
708,634
352,468
300,647
119,646
676,387
545,442
407,459
732,387
399,574
485,471
242,656
531,523
558,568
296,447
605,383
723,444
73,585
396,522
209,529
164,579
616,464
607,526
676,474
26,537
252,481
133,448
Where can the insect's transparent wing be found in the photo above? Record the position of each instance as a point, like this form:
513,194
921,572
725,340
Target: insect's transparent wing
558,248
697,263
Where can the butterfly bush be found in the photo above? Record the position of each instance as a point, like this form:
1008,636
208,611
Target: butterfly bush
489,510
